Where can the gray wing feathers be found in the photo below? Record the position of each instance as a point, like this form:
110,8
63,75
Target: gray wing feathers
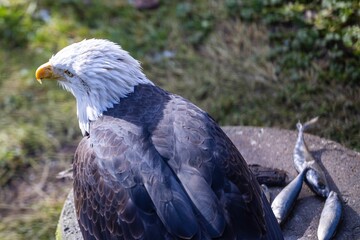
204,160
204,199
171,203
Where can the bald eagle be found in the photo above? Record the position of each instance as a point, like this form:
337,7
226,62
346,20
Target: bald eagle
151,164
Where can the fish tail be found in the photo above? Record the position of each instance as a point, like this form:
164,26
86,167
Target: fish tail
309,123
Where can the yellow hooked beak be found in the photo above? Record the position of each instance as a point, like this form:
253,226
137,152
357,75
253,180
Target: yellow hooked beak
45,71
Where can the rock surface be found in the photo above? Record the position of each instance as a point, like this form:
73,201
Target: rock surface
68,228
274,148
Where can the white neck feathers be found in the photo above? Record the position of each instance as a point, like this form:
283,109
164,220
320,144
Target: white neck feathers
103,74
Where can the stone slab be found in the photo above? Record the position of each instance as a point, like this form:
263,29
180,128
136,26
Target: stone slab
68,228
274,148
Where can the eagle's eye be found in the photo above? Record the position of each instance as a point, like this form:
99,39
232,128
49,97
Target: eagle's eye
67,72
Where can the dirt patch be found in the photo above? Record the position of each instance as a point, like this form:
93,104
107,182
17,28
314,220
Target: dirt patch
31,203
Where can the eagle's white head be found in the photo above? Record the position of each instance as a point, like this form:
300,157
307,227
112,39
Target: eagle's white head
97,72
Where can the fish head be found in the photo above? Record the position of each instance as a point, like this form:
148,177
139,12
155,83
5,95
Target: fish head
317,183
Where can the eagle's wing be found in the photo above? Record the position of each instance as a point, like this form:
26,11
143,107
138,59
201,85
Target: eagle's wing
213,173
124,189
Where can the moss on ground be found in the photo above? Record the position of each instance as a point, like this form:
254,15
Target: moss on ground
38,222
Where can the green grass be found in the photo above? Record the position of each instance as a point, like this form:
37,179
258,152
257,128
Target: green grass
226,66
37,222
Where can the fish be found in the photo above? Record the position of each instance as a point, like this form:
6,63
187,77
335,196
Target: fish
266,192
315,176
330,217
285,200
301,153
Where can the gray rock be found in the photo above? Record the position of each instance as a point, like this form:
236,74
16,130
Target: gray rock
68,228
274,148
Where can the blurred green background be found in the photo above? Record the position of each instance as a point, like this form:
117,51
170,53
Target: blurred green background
251,62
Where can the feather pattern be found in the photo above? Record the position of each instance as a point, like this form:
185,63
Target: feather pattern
157,164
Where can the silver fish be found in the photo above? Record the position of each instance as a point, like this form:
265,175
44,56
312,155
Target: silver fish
266,192
285,200
330,217
315,176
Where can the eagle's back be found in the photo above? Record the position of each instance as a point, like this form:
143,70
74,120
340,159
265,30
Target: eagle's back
155,166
